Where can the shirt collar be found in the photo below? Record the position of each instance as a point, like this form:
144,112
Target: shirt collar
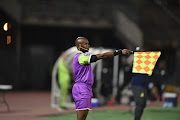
79,51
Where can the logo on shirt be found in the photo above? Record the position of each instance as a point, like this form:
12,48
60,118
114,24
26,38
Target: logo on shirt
86,54
142,94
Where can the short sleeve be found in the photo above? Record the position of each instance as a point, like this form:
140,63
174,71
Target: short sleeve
84,59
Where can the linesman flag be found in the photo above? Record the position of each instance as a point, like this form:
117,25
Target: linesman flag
144,62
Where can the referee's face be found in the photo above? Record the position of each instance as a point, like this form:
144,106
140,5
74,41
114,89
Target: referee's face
85,45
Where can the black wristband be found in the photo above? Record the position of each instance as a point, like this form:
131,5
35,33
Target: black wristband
117,52
93,58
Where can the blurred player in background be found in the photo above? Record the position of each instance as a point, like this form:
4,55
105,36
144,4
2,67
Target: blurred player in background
63,79
139,84
83,74
160,77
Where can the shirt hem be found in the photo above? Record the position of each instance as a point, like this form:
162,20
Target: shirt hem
84,109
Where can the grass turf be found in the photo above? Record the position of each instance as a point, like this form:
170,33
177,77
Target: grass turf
153,113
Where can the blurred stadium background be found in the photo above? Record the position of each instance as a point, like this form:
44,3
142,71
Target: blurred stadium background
34,33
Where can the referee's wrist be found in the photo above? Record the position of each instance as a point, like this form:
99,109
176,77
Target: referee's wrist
118,52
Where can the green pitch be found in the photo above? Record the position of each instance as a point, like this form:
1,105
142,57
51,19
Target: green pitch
153,113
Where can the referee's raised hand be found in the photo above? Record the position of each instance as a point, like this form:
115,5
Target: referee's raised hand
126,52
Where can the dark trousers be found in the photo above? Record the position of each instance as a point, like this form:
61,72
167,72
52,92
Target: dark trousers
140,95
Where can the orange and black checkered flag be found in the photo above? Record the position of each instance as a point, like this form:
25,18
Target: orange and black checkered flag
144,62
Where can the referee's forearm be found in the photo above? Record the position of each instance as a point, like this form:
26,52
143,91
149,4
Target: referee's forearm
105,55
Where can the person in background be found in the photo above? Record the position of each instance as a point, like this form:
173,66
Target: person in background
139,84
160,77
63,79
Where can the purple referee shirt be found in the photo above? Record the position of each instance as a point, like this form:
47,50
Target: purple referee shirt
82,70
